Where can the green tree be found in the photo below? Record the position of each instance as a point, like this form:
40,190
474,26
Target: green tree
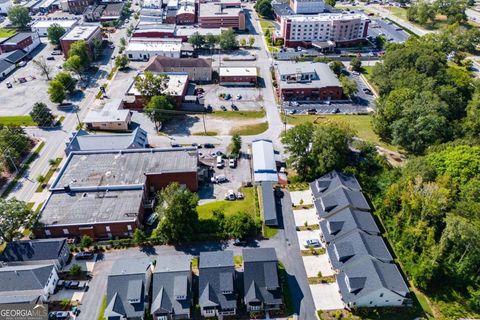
240,225
210,41
331,3
12,152
42,115
67,81
349,87
97,49
56,92
13,213
19,16
196,40
74,271
264,8
177,212
150,85
86,241
54,33
74,64
453,9
80,49
356,64
139,237
122,61
422,12
41,179
251,41
471,123
235,145
243,42
159,109
336,66
228,39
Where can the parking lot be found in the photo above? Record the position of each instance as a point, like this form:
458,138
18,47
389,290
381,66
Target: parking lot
19,99
250,98
389,30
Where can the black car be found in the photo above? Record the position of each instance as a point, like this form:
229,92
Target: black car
50,58
84,256
239,243
72,284
312,111
223,108
367,91
208,146
234,107
176,145
209,108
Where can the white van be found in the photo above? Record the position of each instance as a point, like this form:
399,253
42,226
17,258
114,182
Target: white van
219,162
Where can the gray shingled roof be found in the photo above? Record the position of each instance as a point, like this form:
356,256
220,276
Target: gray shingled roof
332,181
33,250
83,141
24,278
13,56
217,274
127,281
339,199
345,221
355,244
172,279
367,275
269,207
260,276
14,40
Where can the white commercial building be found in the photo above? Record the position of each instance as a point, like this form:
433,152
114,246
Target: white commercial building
338,27
307,6
41,26
144,50
264,165
112,117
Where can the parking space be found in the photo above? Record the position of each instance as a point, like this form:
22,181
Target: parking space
305,215
306,235
245,98
316,264
301,197
85,265
389,30
326,296
68,294
20,99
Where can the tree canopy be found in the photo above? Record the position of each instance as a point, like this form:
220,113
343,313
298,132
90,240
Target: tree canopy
56,91
80,49
264,8
42,115
150,85
227,39
19,16
54,33
13,213
14,143
158,108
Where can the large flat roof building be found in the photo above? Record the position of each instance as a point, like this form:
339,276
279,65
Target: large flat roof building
221,15
41,26
78,33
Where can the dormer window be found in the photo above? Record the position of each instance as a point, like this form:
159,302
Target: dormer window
227,292
133,300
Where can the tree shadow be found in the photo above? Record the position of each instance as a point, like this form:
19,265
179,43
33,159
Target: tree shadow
180,125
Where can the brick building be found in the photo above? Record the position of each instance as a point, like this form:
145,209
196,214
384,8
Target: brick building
86,33
238,75
221,15
26,41
307,81
181,12
78,6
199,70
107,194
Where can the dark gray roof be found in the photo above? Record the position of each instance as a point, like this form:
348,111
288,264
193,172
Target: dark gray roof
217,280
33,250
332,181
355,244
5,65
13,40
282,8
339,199
367,275
24,278
345,221
126,292
14,56
260,276
171,286
84,141
269,207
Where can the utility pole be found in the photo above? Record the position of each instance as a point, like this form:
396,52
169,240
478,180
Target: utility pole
204,126
13,162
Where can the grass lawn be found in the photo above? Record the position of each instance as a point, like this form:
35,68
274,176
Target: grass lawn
269,232
5,33
238,261
399,12
230,207
208,133
17,121
251,129
361,124
102,308
239,114
266,24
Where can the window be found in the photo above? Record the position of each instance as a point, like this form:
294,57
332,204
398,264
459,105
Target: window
65,231
47,232
129,227
107,228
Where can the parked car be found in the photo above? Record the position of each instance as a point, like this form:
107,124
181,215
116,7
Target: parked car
208,146
239,96
367,91
239,243
292,111
312,111
230,195
312,243
209,108
9,85
232,163
60,283
223,108
84,256
240,196
219,162
56,53
59,315
228,96
50,58
219,179
234,107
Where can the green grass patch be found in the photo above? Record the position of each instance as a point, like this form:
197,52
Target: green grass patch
361,124
195,263
251,129
49,175
267,24
269,232
207,134
22,170
238,261
399,12
102,308
239,114
6,33
230,207
17,121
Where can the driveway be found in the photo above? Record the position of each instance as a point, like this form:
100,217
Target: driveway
307,235
326,296
305,215
316,264
301,197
